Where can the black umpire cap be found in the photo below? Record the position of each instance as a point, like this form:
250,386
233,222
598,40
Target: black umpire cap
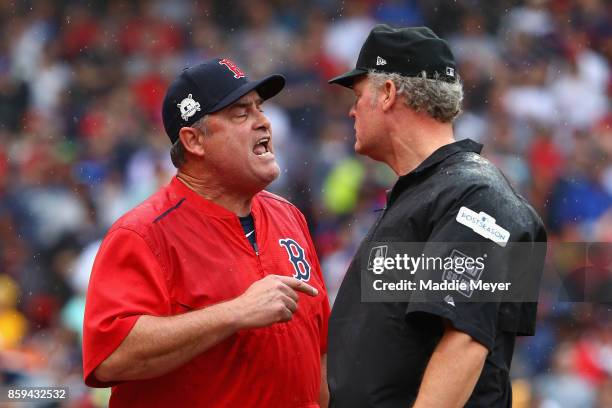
207,88
406,51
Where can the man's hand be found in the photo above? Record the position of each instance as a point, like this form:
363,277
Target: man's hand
270,300
158,345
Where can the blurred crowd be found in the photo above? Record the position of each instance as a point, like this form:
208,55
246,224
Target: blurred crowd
81,142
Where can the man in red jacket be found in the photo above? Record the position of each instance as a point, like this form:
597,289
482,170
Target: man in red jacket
210,293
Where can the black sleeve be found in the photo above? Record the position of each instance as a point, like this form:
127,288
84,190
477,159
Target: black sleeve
479,226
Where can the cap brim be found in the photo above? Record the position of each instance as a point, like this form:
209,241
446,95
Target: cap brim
347,79
266,88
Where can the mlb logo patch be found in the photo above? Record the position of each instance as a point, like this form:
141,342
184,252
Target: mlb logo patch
484,225
188,107
450,71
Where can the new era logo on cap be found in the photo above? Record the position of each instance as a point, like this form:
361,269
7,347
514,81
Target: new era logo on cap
381,61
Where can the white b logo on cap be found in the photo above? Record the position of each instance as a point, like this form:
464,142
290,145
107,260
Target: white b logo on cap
188,107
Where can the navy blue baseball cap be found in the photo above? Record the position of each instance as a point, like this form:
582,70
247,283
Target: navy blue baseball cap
407,51
207,88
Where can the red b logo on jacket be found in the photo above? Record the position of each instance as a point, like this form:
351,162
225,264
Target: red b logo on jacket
238,73
297,257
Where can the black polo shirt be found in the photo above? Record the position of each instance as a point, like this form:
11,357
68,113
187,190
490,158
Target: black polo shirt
378,351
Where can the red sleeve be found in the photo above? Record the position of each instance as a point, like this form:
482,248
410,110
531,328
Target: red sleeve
325,315
126,282
325,309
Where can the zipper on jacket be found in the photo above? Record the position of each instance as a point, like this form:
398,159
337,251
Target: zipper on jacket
252,246
255,246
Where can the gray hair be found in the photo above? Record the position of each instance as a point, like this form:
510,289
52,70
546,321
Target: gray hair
177,151
439,99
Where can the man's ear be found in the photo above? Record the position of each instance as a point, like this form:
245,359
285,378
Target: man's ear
389,95
193,140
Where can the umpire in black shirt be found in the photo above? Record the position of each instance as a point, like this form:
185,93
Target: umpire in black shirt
439,353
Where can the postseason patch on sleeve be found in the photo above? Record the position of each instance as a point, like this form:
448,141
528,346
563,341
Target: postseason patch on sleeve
484,225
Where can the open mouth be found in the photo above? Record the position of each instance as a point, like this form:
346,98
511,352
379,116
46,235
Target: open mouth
262,147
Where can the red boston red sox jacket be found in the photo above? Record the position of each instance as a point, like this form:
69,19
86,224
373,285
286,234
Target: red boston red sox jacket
177,252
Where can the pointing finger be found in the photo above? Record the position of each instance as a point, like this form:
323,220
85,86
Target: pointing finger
299,285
